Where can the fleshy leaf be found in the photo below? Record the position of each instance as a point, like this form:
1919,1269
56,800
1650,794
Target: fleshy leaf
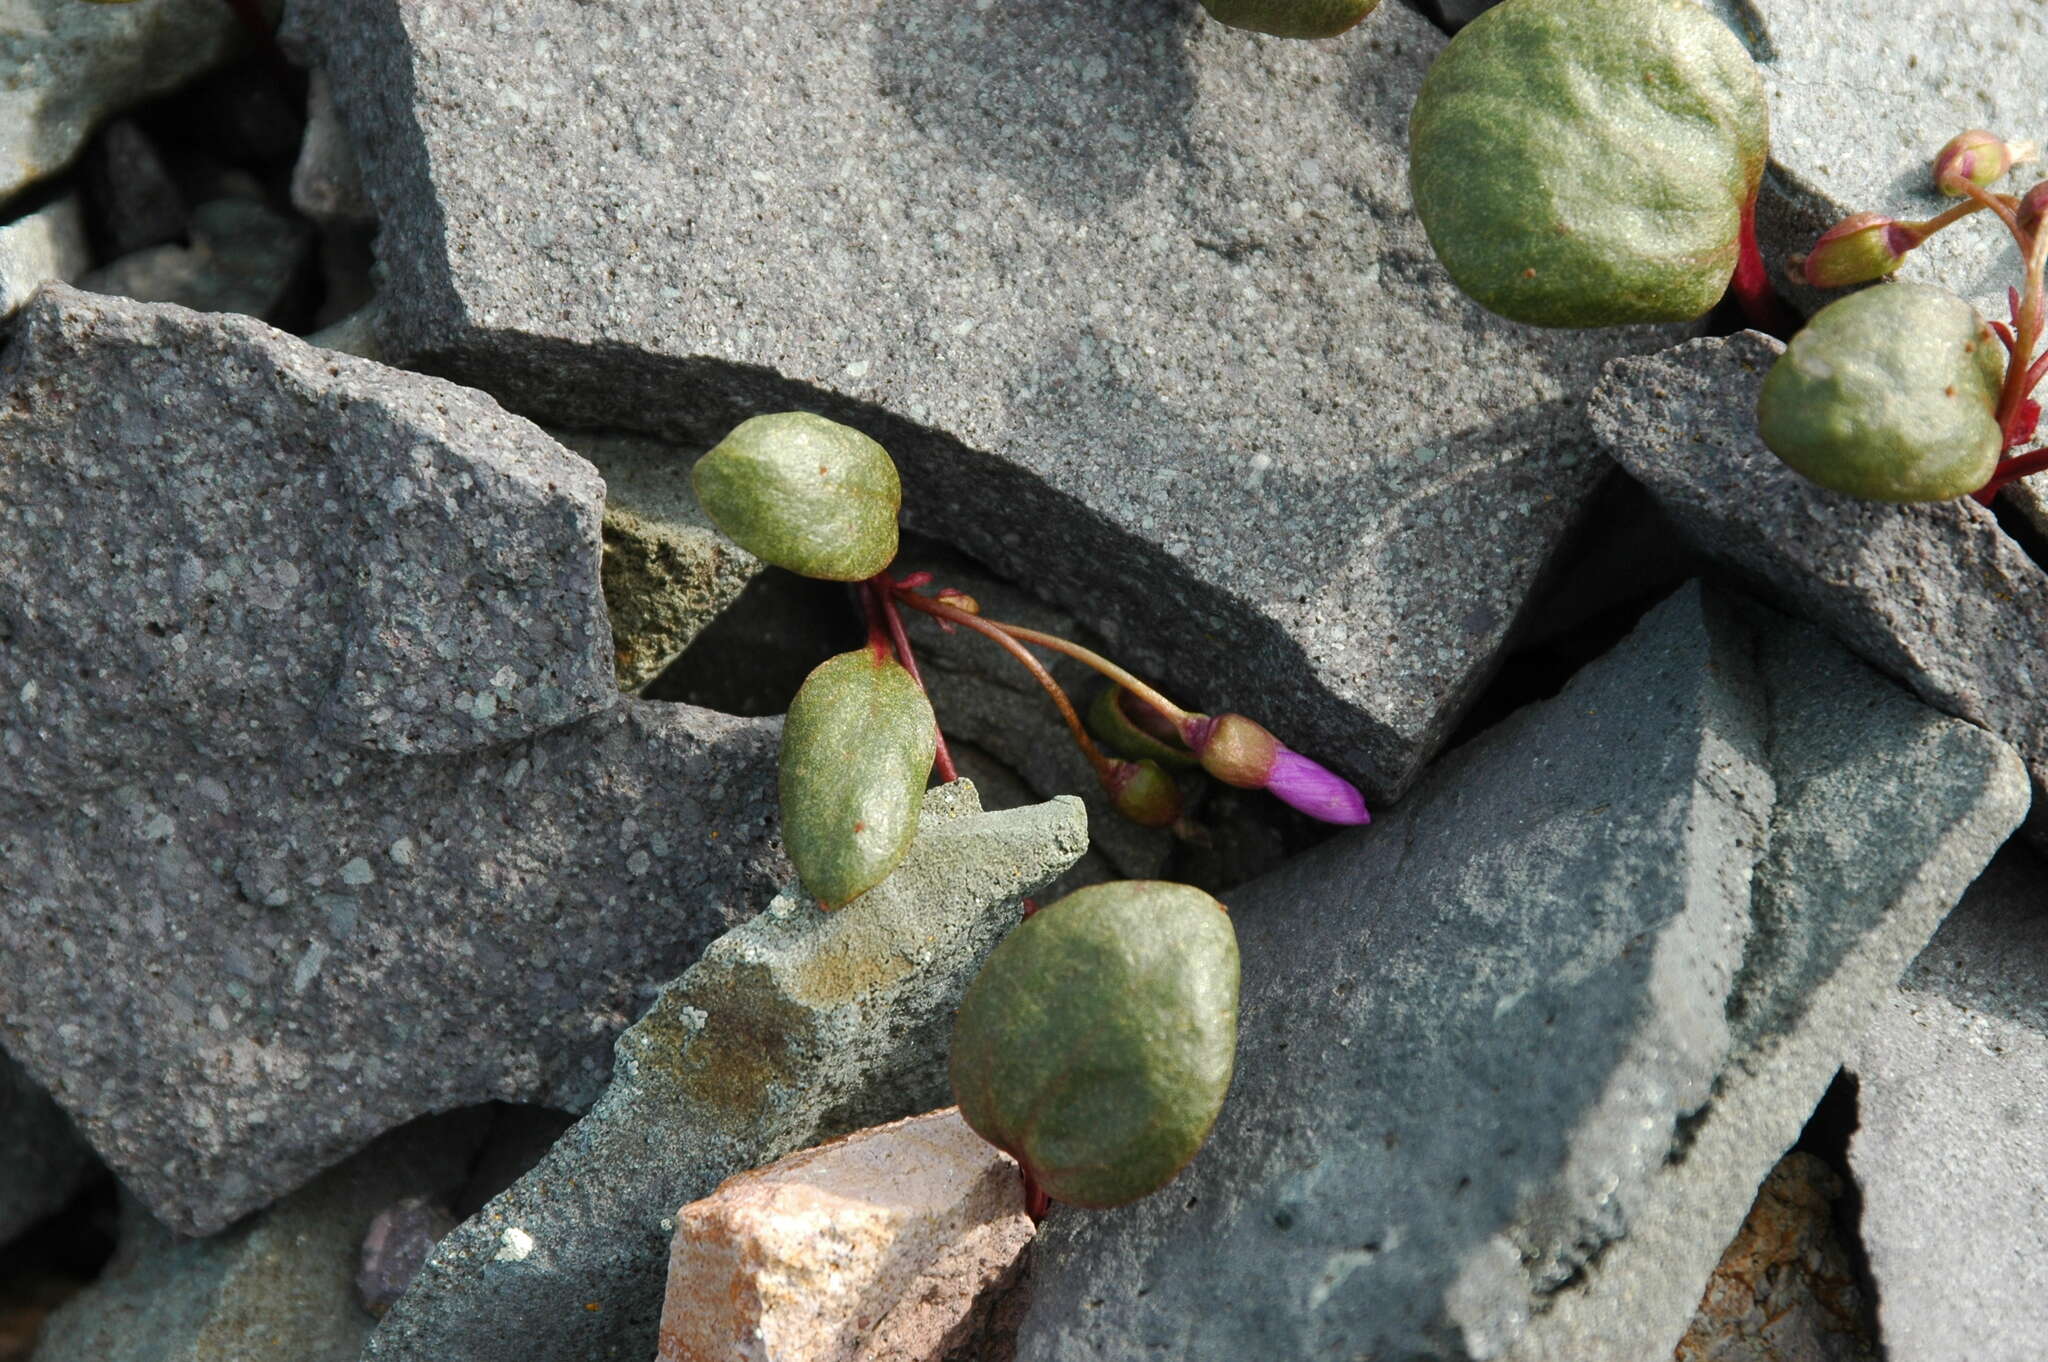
857,749
803,493
1096,1045
1588,162
1291,18
1890,394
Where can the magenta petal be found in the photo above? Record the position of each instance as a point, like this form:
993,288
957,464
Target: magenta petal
1317,792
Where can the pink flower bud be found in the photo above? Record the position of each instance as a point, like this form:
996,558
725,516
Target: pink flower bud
2032,205
1979,157
1232,748
1316,791
1143,793
1856,250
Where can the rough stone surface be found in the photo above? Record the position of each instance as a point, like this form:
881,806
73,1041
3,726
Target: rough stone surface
1786,1290
280,1286
1514,1061
42,1158
1862,94
874,1248
69,65
795,1027
395,1248
1934,594
667,569
322,810
243,258
1137,302
134,197
327,181
44,245
1950,1150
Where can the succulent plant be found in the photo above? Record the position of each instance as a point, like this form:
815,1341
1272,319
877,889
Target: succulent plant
804,493
1291,18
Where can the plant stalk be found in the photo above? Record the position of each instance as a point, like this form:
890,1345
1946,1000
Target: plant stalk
876,590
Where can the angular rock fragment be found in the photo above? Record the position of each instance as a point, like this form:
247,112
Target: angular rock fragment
42,1159
1515,1060
38,247
1950,1146
794,1027
1934,594
874,1248
327,182
243,258
1138,304
134,198
667,569
395,1248
322,810
279,1286
69,65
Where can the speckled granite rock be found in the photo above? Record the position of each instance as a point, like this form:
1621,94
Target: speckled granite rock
667,569
1514,1060
1862,94
34,249
322,811
42,1158
1137,302
69,65
1950,1149
243,258
1936,594
795,1027
278,1287
327,181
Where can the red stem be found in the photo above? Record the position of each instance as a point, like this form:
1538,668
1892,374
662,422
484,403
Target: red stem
2012,470
876,589
1751,284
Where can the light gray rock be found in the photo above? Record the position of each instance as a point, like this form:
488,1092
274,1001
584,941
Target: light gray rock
327,181
38,247
243,258
1138,303
1862,94
43,1160
668,572
1935,595
322,809
70,65
1514,1061
795,1027
1950,1149
279,1286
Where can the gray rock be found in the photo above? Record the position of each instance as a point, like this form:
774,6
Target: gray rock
1862,94
322,810
795,1027
136,202
1137,302
1514,1061
71,65
1950,1145
327,181
38,247
395,1248
1935,595
280,1286
243,258
668,572
43,1160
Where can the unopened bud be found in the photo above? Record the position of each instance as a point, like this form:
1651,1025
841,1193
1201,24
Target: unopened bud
1236,750
1143,793
1979,157
1856,250
2032,206
1131,728
960,600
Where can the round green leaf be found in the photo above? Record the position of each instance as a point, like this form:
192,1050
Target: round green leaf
1891,394
1291,18
1589,162
1096,1044
857,749
805,494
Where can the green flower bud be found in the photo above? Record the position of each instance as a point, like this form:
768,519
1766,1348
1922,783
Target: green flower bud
1291,18
1860,248
1144,793
803,493
1096,1045
1236,750
1589,162
1131,728
1980,157
1890,394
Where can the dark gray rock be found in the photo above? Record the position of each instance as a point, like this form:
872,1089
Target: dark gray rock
1935,595
1137,302
135,199
1950,1145
1514,1061
395,1248
71,65
322,809
243,258
43,1160
279,1286
38,247
795,1027
1862,94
